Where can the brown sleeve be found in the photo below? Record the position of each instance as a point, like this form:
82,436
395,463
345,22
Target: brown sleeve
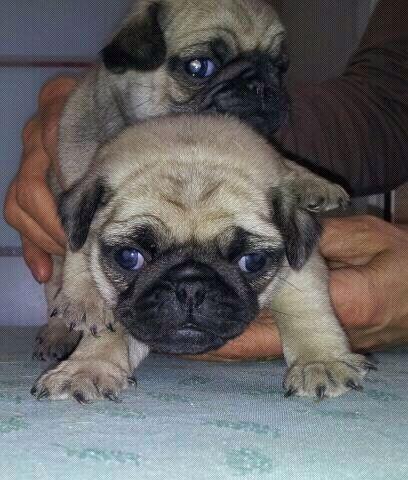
356,126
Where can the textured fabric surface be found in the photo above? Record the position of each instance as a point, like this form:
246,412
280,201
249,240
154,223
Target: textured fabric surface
196,420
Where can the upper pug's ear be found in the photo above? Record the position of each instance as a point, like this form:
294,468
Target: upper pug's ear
77,207
140,45
299,227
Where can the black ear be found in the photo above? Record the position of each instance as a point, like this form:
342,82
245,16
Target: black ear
77,207
299,227
140,45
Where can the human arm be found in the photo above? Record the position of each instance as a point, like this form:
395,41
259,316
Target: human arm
356,125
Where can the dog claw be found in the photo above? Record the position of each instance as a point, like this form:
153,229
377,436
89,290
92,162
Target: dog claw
43,394
316,204
320,392
38,356
111,396
110,327
370,366
291,391
132,381
354,386
79,397
94,330
54,313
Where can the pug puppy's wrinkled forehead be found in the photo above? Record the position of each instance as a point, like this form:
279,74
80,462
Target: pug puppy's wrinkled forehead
231,27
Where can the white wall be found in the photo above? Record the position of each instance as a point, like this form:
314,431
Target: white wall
30,29
57,28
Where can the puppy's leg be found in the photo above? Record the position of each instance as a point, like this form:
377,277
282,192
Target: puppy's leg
315,347
54,340
99,368
78,303
315,193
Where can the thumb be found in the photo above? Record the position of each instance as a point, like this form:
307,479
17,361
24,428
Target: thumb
354,297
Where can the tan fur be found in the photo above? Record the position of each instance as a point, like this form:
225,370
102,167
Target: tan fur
195,177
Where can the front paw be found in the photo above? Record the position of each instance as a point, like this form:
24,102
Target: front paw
317,194
88,313
82,380
326,378
55,342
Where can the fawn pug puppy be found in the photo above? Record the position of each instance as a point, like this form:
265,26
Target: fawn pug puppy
172,56
181,230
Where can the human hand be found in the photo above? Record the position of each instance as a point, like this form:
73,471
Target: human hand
30,206
368,260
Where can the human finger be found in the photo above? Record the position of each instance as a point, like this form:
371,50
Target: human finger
354,239
357,299
22,222
38,204
52,100
37,260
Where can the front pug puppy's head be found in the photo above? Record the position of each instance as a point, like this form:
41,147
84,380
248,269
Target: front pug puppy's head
190,56
189,224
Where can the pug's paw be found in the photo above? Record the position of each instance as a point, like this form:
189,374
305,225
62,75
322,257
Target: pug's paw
316,194
83,380
326,378
89,312
55,342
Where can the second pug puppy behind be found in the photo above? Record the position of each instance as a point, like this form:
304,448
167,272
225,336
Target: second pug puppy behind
183,228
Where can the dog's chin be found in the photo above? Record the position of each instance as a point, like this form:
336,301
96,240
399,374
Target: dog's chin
188,341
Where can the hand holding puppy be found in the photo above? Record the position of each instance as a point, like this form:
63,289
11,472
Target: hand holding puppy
30,206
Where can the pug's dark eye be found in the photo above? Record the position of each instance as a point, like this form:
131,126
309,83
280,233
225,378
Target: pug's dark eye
200,67
253,262
129,259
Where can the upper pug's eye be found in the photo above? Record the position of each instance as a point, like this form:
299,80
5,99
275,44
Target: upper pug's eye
129,259
253,262
200,67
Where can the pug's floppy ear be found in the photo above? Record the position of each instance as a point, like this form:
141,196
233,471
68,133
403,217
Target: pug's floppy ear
77,207
140,45
299,227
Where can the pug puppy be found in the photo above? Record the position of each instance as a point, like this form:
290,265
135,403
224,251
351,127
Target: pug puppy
170,57
174,56
185,227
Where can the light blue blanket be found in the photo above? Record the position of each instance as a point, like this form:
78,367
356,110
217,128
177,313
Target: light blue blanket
195,420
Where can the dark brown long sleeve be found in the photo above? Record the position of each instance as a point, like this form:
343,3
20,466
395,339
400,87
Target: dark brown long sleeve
356,125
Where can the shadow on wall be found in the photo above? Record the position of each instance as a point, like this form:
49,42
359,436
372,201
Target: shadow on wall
322,35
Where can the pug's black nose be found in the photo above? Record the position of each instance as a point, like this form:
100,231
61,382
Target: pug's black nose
256,86
190,293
